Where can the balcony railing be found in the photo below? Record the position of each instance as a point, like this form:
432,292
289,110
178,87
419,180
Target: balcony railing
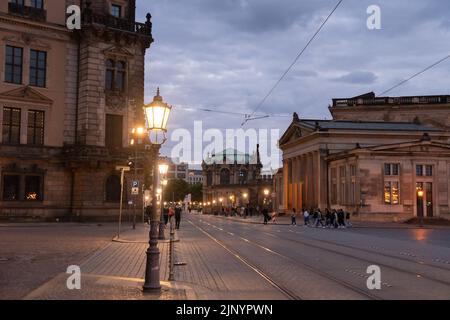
118,23
27,12
392,100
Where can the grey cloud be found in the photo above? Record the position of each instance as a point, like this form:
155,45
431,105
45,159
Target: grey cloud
362,77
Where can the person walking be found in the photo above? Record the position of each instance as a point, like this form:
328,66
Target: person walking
305,217
177,217
334,219
265,213
166,215
293,217
347,220
341,218
319,219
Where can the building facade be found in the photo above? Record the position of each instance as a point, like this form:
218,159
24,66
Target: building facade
233,179
382,158
69,100
195,177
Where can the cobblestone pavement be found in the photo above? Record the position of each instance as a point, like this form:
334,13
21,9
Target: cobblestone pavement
31,254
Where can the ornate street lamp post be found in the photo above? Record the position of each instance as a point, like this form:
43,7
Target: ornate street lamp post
137,135
163,169
156,118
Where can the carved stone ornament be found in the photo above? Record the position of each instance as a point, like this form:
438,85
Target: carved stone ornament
115,101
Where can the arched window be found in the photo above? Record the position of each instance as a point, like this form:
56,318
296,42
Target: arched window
113,189
120,75
109,81
209,177
225,176
115,75
243,176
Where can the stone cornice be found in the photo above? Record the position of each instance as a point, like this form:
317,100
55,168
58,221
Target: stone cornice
10,20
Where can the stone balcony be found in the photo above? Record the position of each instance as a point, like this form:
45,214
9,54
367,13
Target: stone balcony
23,11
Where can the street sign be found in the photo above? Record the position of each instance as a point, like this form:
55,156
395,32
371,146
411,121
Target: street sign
135,184
134,191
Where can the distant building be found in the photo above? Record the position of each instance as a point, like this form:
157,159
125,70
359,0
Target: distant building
176,170
232,178
195,177
382,157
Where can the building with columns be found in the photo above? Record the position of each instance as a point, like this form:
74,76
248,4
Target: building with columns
69,100
380,157
233,179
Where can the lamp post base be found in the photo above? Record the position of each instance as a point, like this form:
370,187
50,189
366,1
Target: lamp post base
152,282
161,235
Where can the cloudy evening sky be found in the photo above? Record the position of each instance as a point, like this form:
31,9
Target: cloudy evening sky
227,54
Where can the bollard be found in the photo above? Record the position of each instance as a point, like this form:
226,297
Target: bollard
171,251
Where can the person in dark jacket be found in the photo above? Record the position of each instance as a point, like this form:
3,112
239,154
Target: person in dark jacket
265,213
177,217
166,215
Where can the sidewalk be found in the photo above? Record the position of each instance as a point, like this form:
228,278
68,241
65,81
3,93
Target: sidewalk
116,272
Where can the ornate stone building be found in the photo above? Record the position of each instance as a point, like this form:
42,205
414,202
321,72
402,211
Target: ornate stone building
69,101
382,157
232,178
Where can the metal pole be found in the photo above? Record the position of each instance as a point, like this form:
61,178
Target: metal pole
161,235
121,201
152,282
135,177
171,253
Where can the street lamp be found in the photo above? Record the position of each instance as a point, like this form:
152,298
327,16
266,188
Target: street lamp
163,169
137,134
156,117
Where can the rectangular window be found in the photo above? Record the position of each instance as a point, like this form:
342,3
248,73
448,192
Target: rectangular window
13,64
391,192
342,172
387,169
353,170
11,126
33,188
11,187
116,11
38,68
113,134
419,170
38,4
17,2
35,132
391,169
429,170
387,193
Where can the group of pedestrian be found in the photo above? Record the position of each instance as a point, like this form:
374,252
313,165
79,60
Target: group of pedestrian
329,219
168,212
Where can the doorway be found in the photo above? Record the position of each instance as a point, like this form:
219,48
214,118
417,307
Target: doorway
424,202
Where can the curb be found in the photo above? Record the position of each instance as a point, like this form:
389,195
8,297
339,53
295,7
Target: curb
118,240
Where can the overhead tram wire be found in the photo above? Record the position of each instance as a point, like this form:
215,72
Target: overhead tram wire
414,76
292,64
261,116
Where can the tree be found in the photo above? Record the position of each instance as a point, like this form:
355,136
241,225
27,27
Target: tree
196,191
176,190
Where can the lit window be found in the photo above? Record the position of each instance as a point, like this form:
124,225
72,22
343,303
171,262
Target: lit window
391,192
